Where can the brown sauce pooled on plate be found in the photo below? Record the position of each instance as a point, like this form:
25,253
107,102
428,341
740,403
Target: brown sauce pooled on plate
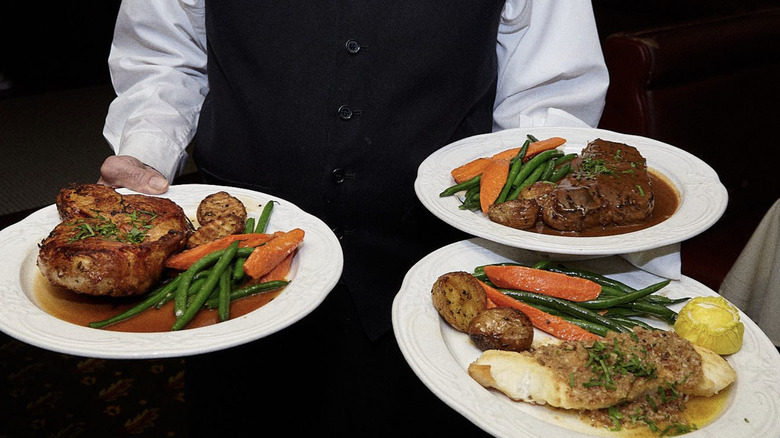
666,197
82,309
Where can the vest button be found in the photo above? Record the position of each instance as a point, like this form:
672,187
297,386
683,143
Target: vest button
345,112
352,46
338,175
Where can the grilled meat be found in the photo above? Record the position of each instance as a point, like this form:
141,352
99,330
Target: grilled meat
609,186
110,244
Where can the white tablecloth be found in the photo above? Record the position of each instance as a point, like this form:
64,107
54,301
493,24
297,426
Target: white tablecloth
753,283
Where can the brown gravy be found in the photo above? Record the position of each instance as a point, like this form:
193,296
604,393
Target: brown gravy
667,199
82,309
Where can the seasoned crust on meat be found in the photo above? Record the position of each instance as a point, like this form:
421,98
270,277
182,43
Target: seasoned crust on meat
219,215
110,244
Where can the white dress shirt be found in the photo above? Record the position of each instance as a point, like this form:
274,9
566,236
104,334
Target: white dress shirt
551,72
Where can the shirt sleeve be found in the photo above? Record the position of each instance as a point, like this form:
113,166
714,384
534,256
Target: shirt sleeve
158,68
551,69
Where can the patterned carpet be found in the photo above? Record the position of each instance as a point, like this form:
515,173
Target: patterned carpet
47,394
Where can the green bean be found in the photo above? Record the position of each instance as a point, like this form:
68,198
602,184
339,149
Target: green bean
223,308
590,326
564,159
202,295
250,225
548,170
630,323
622,312
465,185
528,169
254,289
238,269
238,266
565,306
541,264
152,298
532,138
534,177
560,173
180,298
197,279
471,202
517,161
265,216
605,303
657,310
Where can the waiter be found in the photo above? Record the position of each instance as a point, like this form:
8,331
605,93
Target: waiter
332,105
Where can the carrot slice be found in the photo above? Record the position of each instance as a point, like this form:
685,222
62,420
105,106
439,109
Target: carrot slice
534,148
506,154
492,182
469,170
544,282
551,324
264,258
186,258
280,271
540,146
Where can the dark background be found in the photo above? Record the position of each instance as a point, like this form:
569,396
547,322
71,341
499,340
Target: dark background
64,45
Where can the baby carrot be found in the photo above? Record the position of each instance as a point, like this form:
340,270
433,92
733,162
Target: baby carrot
264,258
551,324
548,283
492,183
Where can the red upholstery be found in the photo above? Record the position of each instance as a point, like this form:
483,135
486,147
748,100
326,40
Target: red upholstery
712,88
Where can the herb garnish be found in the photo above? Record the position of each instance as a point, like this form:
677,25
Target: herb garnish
102,227
607,361
591,167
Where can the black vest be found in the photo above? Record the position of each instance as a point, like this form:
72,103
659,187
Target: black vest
333,105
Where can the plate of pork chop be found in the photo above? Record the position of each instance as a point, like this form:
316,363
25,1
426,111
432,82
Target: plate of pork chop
702,197
314,272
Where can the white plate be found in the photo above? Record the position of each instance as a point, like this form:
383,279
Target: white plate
703,197
440,355
315,272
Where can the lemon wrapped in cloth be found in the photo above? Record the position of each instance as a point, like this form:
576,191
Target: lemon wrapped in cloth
711,322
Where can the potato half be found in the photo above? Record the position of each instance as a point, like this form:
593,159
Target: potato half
458,297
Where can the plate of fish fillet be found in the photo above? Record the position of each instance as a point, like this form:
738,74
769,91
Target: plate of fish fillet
510,394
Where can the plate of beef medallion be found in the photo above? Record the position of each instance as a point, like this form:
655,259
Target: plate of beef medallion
701,201
26,313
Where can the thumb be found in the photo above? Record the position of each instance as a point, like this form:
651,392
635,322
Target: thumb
129,172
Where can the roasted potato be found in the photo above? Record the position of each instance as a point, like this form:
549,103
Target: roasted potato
458,297
517,213
501,328
219,205
219,215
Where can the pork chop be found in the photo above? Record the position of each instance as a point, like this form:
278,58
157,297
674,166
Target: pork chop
111,244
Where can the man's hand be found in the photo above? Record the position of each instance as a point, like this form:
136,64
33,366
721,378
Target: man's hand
129,172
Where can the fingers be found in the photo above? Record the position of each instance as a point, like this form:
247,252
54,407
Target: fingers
129,172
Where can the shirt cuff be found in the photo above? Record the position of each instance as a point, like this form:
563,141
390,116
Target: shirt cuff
156,152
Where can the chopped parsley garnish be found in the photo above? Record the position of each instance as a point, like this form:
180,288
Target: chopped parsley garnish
591,167
102,227
606,361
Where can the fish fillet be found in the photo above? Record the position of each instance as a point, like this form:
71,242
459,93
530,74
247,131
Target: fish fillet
531,376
